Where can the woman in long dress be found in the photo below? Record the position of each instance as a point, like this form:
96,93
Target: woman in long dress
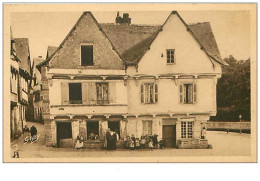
79,142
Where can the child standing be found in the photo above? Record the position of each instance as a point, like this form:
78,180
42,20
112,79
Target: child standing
142,142
132,145
150,144
137,143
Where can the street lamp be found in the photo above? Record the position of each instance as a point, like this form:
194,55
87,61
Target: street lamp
240,117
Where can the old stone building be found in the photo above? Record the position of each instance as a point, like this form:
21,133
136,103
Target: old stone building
23,54
36,87
133,79
15,124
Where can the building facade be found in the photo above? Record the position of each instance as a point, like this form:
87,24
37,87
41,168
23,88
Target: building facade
15,124
134,79
23,54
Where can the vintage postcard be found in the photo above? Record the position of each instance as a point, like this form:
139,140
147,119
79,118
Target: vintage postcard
130,82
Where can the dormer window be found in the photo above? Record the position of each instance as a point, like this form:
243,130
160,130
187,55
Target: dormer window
87,55
170,56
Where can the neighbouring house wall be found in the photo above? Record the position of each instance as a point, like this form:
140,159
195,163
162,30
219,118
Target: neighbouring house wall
46,108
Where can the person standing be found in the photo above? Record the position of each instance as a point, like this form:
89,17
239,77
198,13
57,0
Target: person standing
79,142
203,133
26,134
155,140
114,139
109,139
33,131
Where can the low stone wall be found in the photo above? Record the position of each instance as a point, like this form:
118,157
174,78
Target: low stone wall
193,144
229,125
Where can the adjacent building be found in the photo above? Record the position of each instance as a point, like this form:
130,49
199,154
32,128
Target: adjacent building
134,79
23,54
36,87
15,123
36,100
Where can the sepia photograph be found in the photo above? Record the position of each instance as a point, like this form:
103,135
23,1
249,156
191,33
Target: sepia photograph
129,83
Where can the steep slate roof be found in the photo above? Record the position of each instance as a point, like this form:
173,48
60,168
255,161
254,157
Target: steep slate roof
50,51
132,41
205,35
23,53
126,37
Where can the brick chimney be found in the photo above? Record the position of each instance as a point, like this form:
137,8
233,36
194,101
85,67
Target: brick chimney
124,20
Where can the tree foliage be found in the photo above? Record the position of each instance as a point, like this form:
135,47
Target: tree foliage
233,91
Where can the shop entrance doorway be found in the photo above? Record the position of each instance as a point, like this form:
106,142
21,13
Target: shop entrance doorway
114,126
64,134
169,136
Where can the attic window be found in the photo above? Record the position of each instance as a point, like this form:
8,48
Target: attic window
87,55
170,56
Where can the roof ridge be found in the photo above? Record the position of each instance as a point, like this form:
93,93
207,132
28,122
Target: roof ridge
141,25
204,22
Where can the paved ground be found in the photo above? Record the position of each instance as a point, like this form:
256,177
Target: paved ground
224,144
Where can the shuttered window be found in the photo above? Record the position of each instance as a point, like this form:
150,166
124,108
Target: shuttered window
188,93
87,55
149,93
102,93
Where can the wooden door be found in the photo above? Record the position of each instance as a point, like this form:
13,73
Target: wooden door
169,136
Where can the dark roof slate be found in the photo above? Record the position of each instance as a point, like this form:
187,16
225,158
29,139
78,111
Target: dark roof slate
204,34
23,53
130,40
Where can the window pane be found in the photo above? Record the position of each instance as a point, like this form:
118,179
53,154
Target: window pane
190,125
151,93
146,93
183,129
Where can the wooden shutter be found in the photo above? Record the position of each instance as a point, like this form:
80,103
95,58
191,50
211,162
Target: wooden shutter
85,99
181,93
194,93
142,93
64,93
156,92
92,94
112,92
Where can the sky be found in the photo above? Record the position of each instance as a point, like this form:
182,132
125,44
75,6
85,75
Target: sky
231,28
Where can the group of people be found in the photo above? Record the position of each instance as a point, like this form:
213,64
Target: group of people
111,138
144,142
30,135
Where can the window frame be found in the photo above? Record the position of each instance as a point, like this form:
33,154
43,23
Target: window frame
185,131
174,60
86,44
102,101
147,122
155,94
182,93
